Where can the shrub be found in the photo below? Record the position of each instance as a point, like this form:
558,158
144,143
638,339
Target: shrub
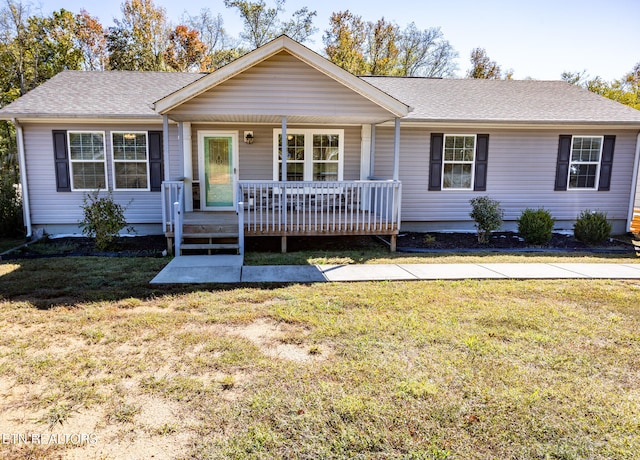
487,214
103,219
536,225
10,206
592,227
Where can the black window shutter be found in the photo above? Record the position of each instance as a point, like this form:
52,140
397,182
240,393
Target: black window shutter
482,160
562,166
435,162
606,163
61,158
155,160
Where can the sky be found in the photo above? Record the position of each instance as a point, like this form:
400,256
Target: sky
537,39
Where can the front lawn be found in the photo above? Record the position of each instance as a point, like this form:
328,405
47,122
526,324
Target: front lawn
416,370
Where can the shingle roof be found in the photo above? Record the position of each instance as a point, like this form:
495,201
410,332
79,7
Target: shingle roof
77,94
99,94
529,101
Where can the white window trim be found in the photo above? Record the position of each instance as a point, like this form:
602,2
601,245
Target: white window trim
598,164
308,151
114,161
103,161
472,163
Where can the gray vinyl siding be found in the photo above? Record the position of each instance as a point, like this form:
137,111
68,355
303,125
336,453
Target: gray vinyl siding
256,160
280,85
49,207
521,174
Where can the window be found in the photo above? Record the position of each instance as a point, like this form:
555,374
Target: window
130,165
86,153
326,156
458,162
312,155
585,161
295,157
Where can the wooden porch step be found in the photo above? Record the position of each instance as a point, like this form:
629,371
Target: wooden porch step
210,235
207,229
205,246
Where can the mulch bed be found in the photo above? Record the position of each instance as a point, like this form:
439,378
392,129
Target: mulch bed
503,241
153,246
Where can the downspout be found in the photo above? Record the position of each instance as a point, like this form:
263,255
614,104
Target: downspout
22,164
634,185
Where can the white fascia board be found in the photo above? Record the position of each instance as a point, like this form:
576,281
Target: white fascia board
514,125
283,43
84,120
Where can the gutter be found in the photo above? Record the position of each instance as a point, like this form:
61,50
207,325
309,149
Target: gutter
22,164
634,185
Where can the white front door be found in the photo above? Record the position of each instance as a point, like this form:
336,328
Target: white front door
218,169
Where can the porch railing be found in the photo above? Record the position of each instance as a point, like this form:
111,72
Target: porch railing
339,207
172,192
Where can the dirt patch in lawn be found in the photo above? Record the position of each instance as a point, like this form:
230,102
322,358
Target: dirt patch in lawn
279,340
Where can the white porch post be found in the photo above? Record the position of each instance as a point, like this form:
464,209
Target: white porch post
165,146
187,166
365,152
284,149
396,151
372,161
283,238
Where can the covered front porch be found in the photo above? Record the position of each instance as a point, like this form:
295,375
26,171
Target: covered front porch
285,141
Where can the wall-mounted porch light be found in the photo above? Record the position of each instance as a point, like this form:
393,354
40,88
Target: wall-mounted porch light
248,137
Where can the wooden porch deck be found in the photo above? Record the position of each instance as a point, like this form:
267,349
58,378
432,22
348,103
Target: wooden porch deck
219,225
341,223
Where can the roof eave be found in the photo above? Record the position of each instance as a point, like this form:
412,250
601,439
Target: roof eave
628,124
55,116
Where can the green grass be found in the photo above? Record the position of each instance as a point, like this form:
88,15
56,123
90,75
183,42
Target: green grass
10,243
476,369
383,256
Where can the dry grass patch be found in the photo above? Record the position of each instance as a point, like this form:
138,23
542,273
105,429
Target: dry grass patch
436,370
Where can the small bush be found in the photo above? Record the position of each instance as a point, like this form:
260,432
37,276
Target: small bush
592,227
487,214
103,219
10,206
536,226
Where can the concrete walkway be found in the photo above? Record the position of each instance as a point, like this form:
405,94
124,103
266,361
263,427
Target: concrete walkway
229,269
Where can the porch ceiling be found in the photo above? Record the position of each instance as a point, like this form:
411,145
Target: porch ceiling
277,119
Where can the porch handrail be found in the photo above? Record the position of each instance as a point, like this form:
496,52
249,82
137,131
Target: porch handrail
360,206
171,192
240,213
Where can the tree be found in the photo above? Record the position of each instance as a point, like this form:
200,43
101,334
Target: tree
425,53
625,90
55,46
382,48
220,48
139,38
186,52
344,42
92,40
262,23
483,67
